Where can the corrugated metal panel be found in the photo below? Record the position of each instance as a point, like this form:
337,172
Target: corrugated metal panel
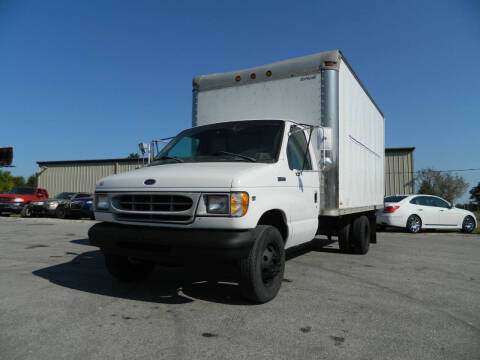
399,172
72,176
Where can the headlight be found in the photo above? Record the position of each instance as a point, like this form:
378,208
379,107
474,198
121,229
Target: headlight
52,205
238,204
217,204
89,202
233,204
102,202
18,200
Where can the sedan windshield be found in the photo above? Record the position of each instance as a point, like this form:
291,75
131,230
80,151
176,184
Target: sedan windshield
22,191
248,141
64,196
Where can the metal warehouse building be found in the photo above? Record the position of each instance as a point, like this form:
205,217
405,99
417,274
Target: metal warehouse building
81,175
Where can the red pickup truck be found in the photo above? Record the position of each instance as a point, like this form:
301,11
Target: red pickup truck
14,200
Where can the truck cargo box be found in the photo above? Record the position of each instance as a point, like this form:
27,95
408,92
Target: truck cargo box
320,90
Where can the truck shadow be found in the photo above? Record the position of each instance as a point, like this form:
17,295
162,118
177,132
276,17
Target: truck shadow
168,285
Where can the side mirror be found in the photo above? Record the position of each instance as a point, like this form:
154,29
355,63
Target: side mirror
325,164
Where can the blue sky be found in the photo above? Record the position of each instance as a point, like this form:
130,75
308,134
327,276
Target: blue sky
91,79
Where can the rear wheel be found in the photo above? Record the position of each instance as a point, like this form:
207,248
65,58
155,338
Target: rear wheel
344,232
126,269
414,224
261,272
360,235
468,224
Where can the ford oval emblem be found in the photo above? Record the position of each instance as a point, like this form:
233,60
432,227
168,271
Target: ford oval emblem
149,182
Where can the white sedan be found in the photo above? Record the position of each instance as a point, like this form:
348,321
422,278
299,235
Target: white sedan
416,212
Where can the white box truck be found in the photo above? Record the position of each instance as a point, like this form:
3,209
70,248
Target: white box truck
276,155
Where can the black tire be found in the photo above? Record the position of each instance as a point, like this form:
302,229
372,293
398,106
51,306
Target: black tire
360,236
344,234
61,212
414,224
26,212
127,270
261,272
468,224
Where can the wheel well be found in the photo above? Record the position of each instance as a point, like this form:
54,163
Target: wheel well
275,218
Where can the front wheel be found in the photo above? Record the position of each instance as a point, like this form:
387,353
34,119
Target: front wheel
126,269
414,224
468,224
261,272
61,212
26,211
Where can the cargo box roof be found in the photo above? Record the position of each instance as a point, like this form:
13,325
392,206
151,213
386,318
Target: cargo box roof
305,65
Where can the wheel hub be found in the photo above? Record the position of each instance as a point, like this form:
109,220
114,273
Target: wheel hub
270,264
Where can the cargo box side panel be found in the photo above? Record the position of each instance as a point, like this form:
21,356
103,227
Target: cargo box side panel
296,99
361,145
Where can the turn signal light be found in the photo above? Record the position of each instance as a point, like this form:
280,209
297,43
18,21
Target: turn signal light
391,209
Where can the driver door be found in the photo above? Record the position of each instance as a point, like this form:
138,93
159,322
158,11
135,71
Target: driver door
304,188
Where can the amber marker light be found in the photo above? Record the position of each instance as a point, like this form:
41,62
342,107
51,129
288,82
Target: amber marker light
330,63
253,76
238,204
237,78
268,73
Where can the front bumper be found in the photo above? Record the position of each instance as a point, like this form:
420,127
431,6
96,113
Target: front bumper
11,207
171,244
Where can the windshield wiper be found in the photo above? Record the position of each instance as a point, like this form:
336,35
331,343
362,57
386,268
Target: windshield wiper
237,155
165,157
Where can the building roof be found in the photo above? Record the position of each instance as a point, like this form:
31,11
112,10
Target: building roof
400,149
91,161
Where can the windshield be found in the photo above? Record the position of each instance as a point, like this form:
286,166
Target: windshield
64,196
255,141
22,191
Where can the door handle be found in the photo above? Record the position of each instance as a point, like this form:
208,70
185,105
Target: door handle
441,210
420,209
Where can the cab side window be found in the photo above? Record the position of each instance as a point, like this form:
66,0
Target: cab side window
296,148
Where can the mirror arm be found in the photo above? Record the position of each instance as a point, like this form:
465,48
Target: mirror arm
306,150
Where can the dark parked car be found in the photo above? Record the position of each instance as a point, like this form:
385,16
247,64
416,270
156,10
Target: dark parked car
81,207
58,206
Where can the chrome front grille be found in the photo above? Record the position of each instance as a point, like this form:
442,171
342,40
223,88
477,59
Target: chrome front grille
155,207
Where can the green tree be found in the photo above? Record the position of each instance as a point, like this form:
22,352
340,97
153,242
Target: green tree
445,185
7,181
32,180
133,156
475,194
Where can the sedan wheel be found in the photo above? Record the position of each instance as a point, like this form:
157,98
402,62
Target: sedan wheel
414,224
468,224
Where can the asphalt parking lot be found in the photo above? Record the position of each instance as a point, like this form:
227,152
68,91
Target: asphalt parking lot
411,297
